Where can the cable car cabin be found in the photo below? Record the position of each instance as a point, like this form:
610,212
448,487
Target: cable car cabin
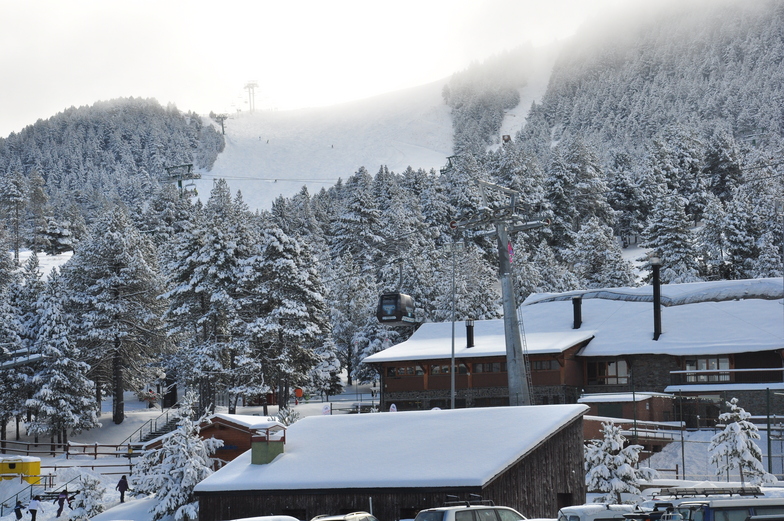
395,309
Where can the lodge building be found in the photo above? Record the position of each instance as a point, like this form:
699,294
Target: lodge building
715,341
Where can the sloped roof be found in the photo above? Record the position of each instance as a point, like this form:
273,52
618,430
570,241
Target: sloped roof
433,340
706,318
437,448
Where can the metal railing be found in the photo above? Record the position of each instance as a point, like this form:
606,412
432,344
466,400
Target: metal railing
151,426
703,376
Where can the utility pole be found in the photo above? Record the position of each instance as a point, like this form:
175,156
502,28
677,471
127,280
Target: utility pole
250,86
506,220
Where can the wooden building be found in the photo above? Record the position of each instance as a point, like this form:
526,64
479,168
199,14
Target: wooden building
395,464
712,341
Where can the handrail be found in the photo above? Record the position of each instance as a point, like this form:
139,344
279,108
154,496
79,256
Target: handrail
26,493
151,422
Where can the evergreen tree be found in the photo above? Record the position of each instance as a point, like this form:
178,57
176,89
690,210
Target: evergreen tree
172,471
670,239
734,447
598,259
611,466
113,285
64,399
88,500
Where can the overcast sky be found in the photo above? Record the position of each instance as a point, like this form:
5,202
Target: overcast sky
200,55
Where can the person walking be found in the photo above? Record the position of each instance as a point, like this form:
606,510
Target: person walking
18,509
122,486
33,507
61,499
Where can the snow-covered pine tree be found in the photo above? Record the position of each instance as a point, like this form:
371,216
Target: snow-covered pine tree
671,240
598,259
734,447
64,399
88,501
325,376
113,285
171,472
611,466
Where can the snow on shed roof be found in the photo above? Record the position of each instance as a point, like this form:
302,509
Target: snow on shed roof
465,447
433,340
250,421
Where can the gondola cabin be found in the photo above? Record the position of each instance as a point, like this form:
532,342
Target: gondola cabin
396,309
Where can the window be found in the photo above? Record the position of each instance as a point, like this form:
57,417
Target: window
490,367
405,370
508,515
444,368
708,364
608,372
486,515
544,365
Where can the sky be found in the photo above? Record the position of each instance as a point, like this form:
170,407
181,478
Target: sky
201,55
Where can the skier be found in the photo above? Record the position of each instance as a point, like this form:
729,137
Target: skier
18,509
122,486
33,506
61,499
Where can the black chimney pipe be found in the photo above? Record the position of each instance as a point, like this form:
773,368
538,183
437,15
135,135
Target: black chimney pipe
469,333
577,305
657,325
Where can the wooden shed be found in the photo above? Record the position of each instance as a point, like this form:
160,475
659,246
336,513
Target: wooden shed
395,464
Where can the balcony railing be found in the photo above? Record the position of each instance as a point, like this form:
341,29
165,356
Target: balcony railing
718,376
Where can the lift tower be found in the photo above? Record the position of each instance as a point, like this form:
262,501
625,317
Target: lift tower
505,220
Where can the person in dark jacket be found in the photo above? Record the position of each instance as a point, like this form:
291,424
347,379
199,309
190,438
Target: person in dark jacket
18,509
61,499
122,486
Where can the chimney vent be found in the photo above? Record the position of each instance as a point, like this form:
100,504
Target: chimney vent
267,444
469,332
577,305
657,325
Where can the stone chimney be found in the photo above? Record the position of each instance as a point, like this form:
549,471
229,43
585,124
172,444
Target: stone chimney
267,443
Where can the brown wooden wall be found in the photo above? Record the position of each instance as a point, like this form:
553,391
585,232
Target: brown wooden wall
547,479
534,486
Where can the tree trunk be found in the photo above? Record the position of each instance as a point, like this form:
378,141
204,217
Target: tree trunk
98,397
118,411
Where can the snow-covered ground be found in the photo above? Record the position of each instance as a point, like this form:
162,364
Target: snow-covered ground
137,413
273,153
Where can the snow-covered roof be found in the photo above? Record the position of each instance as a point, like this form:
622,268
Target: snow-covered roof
433,340
678,294
619,397
704,318
379,450
249,421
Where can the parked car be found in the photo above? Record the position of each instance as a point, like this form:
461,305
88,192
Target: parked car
470,512
354,516
595,512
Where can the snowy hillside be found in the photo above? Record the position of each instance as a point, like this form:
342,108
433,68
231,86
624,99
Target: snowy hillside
271,153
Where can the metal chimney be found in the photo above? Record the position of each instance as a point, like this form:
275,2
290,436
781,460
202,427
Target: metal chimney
657,325
469,332
577,305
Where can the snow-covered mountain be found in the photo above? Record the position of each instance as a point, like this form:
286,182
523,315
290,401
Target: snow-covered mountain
273,153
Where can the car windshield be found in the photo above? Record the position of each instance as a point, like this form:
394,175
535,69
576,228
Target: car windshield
430,515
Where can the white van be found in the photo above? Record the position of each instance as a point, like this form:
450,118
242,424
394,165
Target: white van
594,512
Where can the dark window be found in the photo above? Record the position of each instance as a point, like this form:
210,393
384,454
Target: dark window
490,367
487,514
435,515
508,515
544,365
607,372
464,515
712,366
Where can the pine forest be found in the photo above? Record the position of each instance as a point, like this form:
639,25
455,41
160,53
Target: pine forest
663,131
